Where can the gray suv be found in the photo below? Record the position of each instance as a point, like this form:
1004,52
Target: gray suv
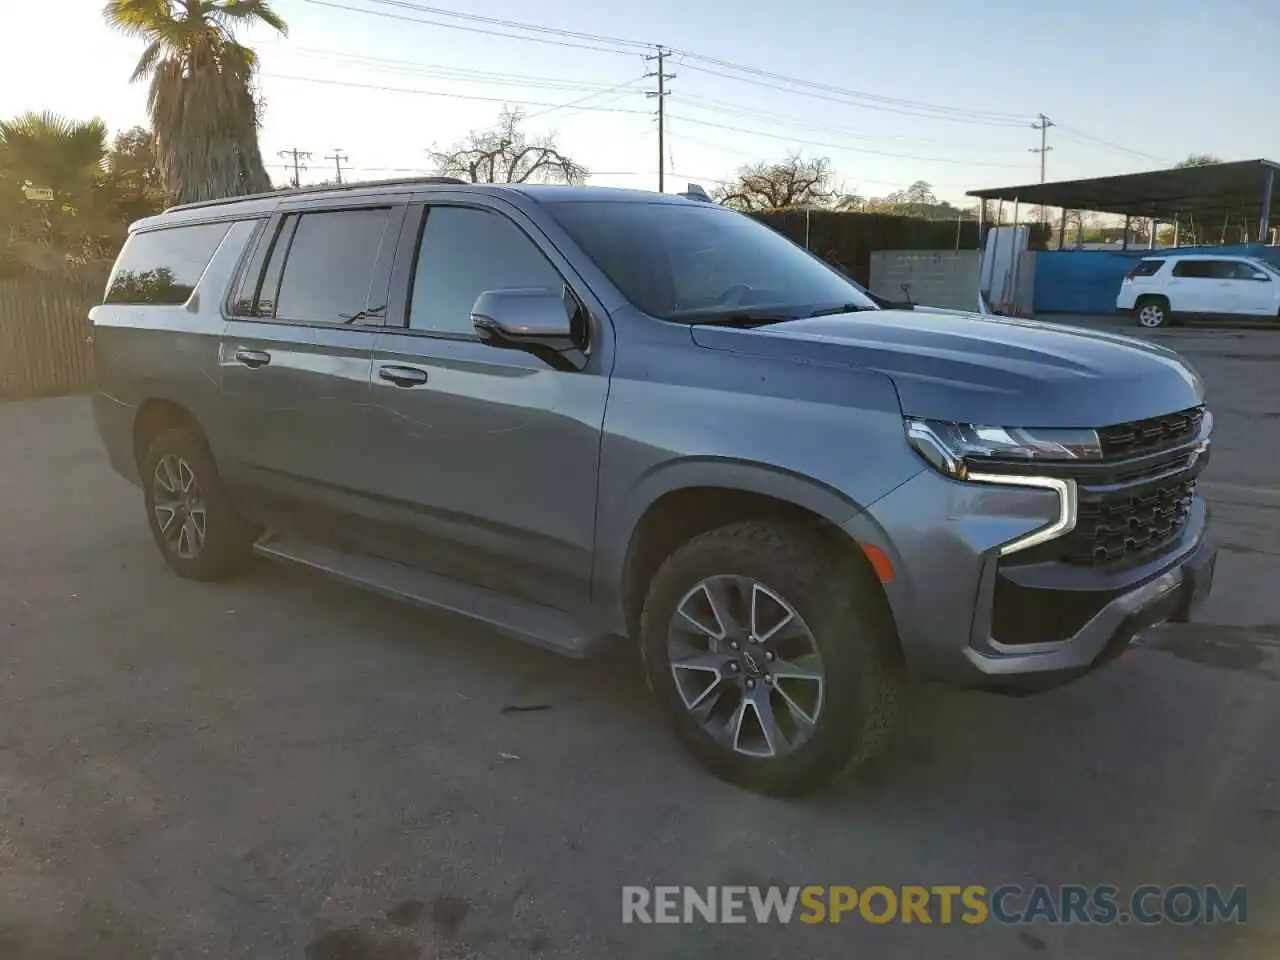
577,414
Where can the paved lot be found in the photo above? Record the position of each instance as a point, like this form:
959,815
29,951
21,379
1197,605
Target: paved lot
280,767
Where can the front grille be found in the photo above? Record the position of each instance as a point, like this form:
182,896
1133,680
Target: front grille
1154,433
1125,526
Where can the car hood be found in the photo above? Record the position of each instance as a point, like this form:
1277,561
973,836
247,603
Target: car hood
981,369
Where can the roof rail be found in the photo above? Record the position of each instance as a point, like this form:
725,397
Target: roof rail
318,188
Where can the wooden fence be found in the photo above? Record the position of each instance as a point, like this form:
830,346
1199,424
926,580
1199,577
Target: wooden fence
44,336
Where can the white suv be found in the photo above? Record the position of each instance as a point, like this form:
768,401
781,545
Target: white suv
1160,288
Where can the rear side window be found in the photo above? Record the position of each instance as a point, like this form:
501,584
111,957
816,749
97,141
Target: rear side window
162,267
1202,269
1146,268
328,268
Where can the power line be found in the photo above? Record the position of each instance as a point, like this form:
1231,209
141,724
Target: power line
459,26
451,96
661,94
338,157
298,165
565,37
843,146
451,73
1074,134
514,24
845,100
573,106
959,113
736,71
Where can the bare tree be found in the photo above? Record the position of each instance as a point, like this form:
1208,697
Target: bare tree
790,182
1199,160
506,154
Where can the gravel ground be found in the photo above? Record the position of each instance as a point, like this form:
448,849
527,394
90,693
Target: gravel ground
282,767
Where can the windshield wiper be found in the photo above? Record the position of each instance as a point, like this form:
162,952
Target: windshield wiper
843,308
736,318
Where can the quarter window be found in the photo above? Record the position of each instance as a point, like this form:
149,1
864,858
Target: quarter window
464,252
328,267
162,267
1146,268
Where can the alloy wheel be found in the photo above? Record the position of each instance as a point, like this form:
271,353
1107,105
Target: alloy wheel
179,506
1151,315
746,666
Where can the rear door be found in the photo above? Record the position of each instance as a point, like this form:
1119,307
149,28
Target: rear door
1195,287
297,351
489,457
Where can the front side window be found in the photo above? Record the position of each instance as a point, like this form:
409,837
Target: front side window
328,267
162,267
463,253
687,262
1243,270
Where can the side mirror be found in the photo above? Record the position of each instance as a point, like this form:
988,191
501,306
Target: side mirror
537,320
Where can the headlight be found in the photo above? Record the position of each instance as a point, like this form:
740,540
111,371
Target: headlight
956,449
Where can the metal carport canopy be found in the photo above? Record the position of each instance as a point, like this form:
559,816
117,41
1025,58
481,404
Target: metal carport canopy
1204,193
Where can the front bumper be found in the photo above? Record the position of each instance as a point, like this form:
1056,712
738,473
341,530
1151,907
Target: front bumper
950,593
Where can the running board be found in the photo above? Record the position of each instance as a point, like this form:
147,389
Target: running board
520,619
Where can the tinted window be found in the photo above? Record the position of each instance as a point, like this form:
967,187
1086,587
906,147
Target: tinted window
242,304
1146,268
1240,270
163,266
329,266
463,253
1195,268
262,302
678,260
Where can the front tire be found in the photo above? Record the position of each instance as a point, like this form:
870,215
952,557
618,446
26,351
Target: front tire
768,658
192,519
1151,312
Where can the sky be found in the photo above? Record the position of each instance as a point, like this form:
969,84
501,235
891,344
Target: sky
944,91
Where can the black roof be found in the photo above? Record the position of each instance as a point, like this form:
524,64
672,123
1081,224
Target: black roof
1204,193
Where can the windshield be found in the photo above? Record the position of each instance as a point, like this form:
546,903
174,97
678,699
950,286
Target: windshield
1267,265
694,262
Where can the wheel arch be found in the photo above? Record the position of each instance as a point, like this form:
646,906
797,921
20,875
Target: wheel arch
155,415
676,504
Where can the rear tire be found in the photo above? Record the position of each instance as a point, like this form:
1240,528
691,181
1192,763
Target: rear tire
192,519
1151,312
797,610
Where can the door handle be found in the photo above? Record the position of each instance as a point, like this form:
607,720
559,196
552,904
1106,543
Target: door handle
402,376
253,358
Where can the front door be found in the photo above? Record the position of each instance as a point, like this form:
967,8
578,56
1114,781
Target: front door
489,455
296,358
1253,290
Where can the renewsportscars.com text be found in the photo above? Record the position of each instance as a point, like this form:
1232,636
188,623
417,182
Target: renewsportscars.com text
1102,904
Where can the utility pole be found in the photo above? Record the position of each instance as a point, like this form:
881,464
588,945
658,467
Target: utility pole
661,93
337,157
1043,124
297,157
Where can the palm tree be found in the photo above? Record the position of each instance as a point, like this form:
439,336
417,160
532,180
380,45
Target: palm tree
48,151
202,105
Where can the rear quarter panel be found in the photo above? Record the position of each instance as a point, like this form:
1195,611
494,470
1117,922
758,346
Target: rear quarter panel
153,352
